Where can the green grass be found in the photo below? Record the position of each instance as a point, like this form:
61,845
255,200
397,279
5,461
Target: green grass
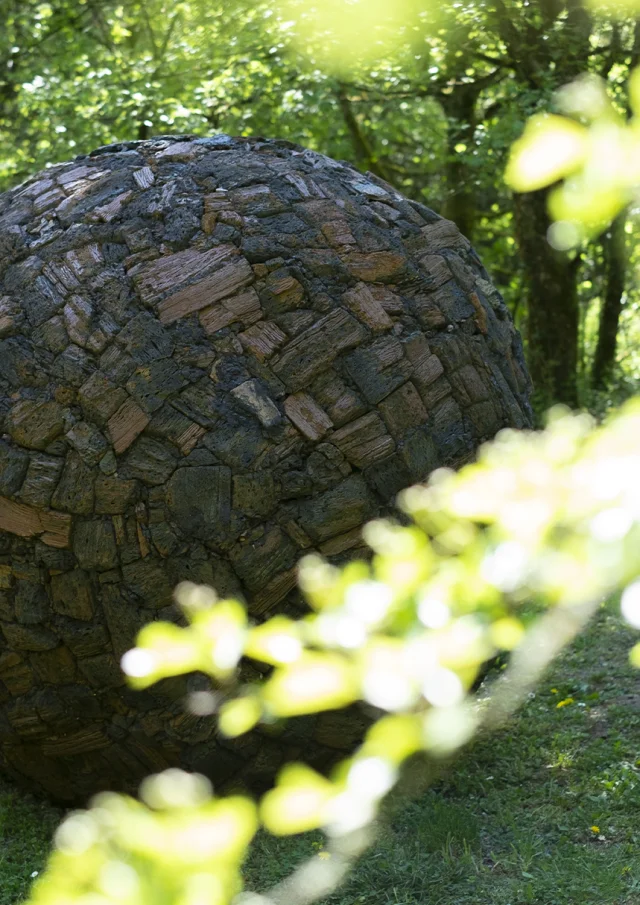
511,825
26,828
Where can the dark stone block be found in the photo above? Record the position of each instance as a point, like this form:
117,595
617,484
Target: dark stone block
379,369
214,355
72,595
14,463
338,510
419,453
22,637
53,667
199,500
113,495
388,477
154,382
94,544
74,492
31,603
41,480
84,639
150,461
258,559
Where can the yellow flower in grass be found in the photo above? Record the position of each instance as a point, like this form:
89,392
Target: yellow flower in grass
564,703
595,829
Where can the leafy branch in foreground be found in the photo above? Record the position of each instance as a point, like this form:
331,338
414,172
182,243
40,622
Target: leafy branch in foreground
513,553
589,152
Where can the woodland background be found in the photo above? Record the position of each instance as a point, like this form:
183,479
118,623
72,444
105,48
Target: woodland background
434,111
545,811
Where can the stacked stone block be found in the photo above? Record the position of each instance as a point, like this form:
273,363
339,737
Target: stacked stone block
216,355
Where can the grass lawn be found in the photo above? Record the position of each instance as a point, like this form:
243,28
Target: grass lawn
26,828
515,823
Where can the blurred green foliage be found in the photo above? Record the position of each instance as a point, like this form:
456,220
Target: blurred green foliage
592,153
513,553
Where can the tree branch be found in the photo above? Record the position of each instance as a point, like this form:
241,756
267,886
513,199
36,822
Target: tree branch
362,148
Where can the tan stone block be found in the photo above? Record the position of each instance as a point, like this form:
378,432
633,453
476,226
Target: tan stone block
368,309
125,425
337,233
218,285
80,742
444,234
375,266
342,542
278,588
437,269
190,438
54,528
106,212
364,441
243,307
390,301
263,339
171,271
308,417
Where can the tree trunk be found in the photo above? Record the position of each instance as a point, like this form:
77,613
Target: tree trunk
460,108
615,259
553,317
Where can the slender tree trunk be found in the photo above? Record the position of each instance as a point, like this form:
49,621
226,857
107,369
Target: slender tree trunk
615,258
553,316
460,108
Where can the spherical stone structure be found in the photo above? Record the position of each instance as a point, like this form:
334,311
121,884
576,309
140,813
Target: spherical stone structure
216,355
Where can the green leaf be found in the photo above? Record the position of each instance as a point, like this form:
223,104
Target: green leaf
239,716
551,148
221,631
162,650
313,683
298,803
276,641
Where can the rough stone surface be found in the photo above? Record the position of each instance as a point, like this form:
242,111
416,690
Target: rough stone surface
215,356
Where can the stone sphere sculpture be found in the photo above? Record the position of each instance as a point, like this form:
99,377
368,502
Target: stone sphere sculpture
216,355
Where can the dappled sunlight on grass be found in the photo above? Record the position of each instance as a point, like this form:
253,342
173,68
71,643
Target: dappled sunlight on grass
544,812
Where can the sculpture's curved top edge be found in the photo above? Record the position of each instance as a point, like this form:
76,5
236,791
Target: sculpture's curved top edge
175,147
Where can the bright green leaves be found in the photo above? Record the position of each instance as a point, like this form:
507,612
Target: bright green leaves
298,803
276,641
239,715
593,152
213,643
314,682
343,35
179,846
394,737
551,148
